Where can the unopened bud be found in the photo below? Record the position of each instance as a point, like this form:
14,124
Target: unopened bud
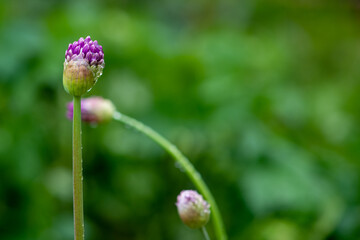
194,211
84,63
93,110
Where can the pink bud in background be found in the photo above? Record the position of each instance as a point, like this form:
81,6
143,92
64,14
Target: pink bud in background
194,211
93,110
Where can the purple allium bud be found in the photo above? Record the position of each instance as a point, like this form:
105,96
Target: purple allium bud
93,110
194,211
84,63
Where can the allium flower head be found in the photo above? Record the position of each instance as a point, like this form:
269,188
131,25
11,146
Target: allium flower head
93,110
194,211
84,63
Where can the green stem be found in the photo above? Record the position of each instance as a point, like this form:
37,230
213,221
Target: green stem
77,173
185,164
206,235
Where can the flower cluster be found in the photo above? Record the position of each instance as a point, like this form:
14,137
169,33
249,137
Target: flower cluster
84,63
86,49
194,211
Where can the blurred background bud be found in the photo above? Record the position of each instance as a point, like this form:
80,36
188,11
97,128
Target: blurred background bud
93,110
194,211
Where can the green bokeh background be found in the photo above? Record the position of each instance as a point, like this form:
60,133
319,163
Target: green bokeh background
261,95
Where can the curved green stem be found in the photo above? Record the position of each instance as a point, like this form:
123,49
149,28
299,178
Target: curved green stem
77,173
185,164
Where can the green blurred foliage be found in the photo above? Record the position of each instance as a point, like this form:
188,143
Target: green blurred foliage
261,95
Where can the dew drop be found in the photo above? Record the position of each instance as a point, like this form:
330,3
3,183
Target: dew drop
178,166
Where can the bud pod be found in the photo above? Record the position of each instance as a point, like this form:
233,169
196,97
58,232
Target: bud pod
84,63
93,110
194,211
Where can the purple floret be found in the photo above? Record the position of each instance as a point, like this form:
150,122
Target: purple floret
86,49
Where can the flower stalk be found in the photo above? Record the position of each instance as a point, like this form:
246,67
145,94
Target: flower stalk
83,65
77,172
185,164
205,233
